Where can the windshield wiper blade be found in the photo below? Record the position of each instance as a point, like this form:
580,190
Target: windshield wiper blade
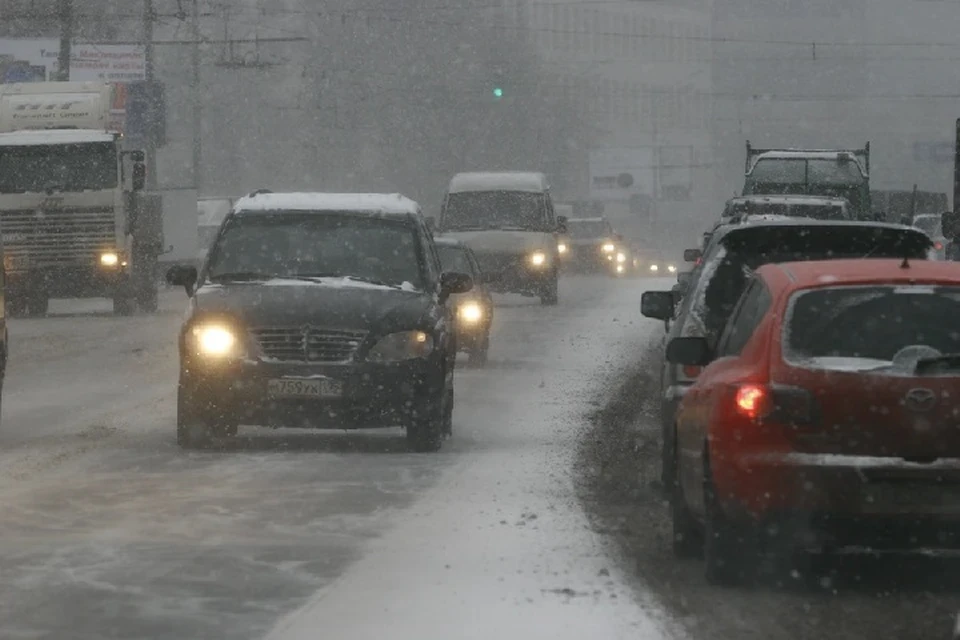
238,276
317,277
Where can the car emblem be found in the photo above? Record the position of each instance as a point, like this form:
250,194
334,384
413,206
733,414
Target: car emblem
920,400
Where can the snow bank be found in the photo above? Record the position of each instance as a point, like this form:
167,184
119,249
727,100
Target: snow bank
500,548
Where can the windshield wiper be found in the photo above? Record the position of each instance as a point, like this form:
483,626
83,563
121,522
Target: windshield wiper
317,277
238,276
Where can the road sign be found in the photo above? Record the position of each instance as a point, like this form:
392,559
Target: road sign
617,174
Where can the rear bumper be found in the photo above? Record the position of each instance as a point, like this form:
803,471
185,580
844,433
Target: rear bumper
840,496
523,279
373,395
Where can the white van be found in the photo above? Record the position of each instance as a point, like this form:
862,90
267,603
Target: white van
508,219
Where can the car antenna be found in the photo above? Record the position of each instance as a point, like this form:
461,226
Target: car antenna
906,263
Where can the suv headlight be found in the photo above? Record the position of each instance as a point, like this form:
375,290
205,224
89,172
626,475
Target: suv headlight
470,312
214,341
402,345
609,247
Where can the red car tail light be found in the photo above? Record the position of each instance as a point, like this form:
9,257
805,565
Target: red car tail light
938,246
691,371
775,403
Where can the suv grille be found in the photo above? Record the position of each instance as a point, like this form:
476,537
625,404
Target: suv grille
308,344
58,236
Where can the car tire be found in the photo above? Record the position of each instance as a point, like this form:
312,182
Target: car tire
728,549
478,353
194,431
123,305
551,292
426,428
38,304
687,533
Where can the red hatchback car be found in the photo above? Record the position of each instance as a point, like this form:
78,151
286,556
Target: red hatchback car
827,416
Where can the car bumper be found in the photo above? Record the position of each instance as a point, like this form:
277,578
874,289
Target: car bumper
848,498
372,395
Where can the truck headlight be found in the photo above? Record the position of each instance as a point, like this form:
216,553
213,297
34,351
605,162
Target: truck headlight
609,247
538,258
109,259
402,345
621,258
214,340
470,312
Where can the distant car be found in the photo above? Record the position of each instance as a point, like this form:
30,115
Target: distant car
825,416
318,311
653,263
509,221
593,244
716,282
931,224
473,311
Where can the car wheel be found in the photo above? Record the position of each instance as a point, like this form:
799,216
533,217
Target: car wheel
687,534
196,431
728,549
478,353
427,426
551,293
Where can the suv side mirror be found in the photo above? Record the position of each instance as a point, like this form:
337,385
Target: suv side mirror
691,352
692,255
452,282
139,177
183,275
658,305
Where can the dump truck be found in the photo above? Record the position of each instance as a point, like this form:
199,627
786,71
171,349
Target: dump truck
843,173
74,218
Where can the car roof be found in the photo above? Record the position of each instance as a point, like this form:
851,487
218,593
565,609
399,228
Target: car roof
859,271
788,199
385,204
529,181
724,230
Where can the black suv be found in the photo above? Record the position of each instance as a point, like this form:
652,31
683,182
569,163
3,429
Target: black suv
323,311
720,277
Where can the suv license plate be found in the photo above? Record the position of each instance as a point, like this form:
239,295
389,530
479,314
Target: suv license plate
304,388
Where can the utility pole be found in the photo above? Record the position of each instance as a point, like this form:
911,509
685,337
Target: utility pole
150,142
197,102
65,12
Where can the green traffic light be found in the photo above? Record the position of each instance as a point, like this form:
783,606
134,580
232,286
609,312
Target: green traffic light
497,92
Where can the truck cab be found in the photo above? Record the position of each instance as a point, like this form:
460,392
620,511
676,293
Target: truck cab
68,211
836,173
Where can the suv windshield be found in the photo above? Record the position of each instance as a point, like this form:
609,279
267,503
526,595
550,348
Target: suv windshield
872,323
589,229
496,210
293,244
73,167
455,259
745,249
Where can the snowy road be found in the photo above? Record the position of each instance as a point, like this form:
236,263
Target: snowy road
110,531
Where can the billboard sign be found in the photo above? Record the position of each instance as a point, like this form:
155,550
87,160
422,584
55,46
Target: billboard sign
617,174
28,60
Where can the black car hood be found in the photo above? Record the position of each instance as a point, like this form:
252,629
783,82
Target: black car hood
295,303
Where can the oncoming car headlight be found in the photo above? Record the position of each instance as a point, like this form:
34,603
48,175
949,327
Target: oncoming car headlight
470,312
671,268
538,258
609,247
654,268
561,247
402,345
621,258
214,340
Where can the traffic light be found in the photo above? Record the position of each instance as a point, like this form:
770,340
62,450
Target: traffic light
497,92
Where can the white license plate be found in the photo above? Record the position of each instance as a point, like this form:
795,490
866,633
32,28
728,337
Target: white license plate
304,388
895,497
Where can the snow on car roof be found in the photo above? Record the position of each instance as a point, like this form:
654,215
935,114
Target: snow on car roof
800,275
788,199
33,137
498,181
379,203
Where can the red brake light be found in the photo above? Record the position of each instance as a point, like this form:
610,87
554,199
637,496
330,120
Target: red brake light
691,372
753,401
938,246
699,260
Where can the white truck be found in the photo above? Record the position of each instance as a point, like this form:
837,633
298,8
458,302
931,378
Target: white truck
74,220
